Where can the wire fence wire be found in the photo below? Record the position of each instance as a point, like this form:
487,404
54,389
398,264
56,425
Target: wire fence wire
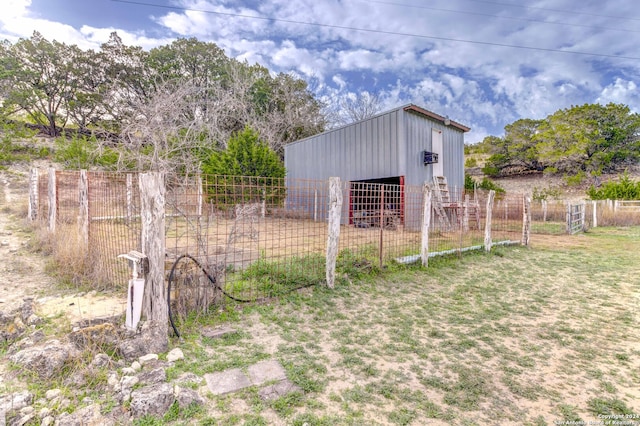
249,238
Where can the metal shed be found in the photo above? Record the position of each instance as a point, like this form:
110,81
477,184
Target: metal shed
395,147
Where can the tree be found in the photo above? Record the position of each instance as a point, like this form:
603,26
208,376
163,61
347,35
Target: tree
355,107
130,82
246,156
38,74
590,138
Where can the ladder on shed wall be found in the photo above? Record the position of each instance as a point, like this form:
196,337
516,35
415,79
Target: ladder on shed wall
441,191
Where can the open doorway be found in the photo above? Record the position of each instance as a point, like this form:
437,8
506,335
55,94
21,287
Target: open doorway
367,198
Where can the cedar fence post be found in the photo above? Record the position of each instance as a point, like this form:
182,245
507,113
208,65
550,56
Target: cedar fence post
526,220
335,210
33,195
152,212
83,216
487,226
426,224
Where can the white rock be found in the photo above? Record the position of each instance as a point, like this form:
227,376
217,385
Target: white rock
128,371
52,393
64,404
113,381
44,412
175,354
136,366
146,359
127,382
25,411
47,421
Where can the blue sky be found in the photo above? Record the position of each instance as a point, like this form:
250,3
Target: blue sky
482,63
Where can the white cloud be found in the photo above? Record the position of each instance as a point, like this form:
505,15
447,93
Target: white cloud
621,92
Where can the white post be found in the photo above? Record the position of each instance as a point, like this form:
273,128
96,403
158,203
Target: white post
53,199
335,210
487,226
152,212
426,224
315,206
83,216
465,214
544,211
594,224
263,210
33,195
526,220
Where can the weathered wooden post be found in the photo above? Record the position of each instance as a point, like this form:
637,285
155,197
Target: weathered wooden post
465,213
32,213
526,220
53,199
426,224
594,222
487,225
568,206
335,210
83,214
152,213
544,211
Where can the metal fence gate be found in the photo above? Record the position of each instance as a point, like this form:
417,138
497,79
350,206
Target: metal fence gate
576,218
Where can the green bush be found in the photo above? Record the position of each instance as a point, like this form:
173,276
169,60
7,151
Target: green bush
81,152
471,162
247,171
624,189
489,185
469,183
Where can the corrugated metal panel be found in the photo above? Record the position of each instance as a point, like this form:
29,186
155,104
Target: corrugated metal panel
387,145
364,150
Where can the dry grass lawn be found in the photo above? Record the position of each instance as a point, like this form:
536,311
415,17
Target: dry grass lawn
522,336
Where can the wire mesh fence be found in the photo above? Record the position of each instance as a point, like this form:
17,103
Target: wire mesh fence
249,238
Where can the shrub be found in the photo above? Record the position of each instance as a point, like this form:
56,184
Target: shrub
471,162
624,189
81,152
246,156
489,185
469,183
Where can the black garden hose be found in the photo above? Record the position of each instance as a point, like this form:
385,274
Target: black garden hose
213,281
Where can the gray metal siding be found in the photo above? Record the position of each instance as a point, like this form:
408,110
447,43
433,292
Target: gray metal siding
364,150
387,145
418,139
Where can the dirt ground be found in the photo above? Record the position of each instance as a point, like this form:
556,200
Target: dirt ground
23,271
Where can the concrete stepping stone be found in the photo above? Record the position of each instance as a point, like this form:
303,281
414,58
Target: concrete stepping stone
269,393
227,381
266,371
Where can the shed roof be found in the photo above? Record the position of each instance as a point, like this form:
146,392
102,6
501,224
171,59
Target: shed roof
438,117
409,108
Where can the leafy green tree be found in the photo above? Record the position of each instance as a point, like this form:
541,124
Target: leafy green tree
38,75
246,156
594,139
